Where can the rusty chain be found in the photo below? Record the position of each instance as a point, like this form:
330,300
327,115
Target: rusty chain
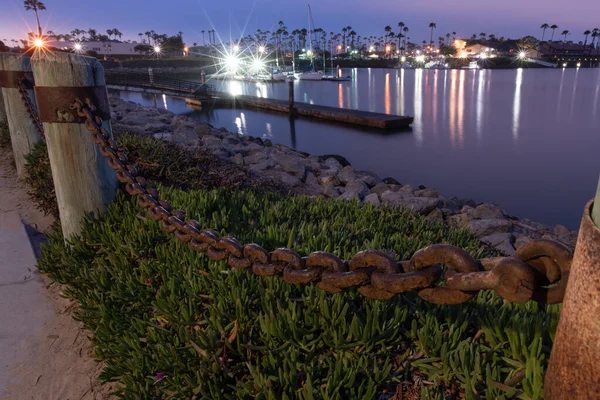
29,107
537,271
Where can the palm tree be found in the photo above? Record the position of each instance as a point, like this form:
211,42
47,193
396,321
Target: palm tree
543,28
432,25
35,5
405,30
118,33
147,34
93,34
140,35
565,33
110,32
553,27
586,33
483,35
595,34
447,37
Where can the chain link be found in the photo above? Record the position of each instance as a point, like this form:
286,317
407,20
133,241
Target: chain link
375,274
29,107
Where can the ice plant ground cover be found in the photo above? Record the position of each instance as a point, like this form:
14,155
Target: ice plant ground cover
170,323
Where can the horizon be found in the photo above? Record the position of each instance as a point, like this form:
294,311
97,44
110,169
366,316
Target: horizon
238,19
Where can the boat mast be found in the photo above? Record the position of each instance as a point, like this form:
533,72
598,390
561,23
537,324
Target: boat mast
310,40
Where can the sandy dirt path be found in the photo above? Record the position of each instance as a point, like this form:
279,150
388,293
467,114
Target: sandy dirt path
52,359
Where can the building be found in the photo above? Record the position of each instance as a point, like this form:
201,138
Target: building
567,50
107,48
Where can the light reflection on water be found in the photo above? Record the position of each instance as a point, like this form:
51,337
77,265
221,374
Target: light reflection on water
526,139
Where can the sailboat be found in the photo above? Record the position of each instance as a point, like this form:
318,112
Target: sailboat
310,75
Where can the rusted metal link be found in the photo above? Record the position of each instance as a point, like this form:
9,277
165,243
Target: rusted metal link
23,84
373,273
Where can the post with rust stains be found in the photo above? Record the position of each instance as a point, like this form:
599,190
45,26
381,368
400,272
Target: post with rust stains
291,104
574,367
23,132
83,181
2,108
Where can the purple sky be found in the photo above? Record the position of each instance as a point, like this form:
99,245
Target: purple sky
509,18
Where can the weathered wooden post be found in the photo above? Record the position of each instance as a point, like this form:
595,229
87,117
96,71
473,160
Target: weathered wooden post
2,107
83,181
151,76
291,106
23,131
574,371
202,77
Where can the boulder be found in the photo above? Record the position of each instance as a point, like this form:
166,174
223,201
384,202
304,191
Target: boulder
501,241
346,175
370,178
294,165
211,141
427,193
373,199
331,191
256,158
488,211
522,240
419,205
340,160
391,181
238,159
262,165
407,189
329,180
355,190
436,216
380,188
560,230
485,227
458,220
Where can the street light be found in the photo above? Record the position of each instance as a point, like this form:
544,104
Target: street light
236,48
157,49
38,42
261,49
522,55
77,47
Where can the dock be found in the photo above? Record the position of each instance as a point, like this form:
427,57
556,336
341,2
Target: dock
340,115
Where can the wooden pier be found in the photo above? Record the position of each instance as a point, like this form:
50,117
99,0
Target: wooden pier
341,115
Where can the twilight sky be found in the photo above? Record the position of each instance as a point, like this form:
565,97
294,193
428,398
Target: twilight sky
509,18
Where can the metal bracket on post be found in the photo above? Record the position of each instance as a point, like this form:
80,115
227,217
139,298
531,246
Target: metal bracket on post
54,103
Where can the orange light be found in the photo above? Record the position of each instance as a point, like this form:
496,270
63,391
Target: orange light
38,42
185,49
388,48
339,46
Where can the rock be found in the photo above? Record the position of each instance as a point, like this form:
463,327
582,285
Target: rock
355,190
427,193
293,165
255,158
331,191
485,227
202,130
391,181
346,175
522,240
560,230
329,180
283,177
332,166
211,141
370,178
167,137
311,179
488,211
468,202
420,205
261,166
458,220
157,127
501,241
407,189
373,199
238,159
422,187
380,188
267,143
436,216
341,160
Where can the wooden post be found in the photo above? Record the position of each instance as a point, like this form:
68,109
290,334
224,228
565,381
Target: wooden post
83,181
596,207
23,132
573,370
2,107
291,97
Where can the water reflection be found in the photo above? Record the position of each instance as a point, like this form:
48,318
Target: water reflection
517,104
418,99
480,104
387,100
292,132
340,95
461,109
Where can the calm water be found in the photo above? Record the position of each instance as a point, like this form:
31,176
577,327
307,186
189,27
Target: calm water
528,140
